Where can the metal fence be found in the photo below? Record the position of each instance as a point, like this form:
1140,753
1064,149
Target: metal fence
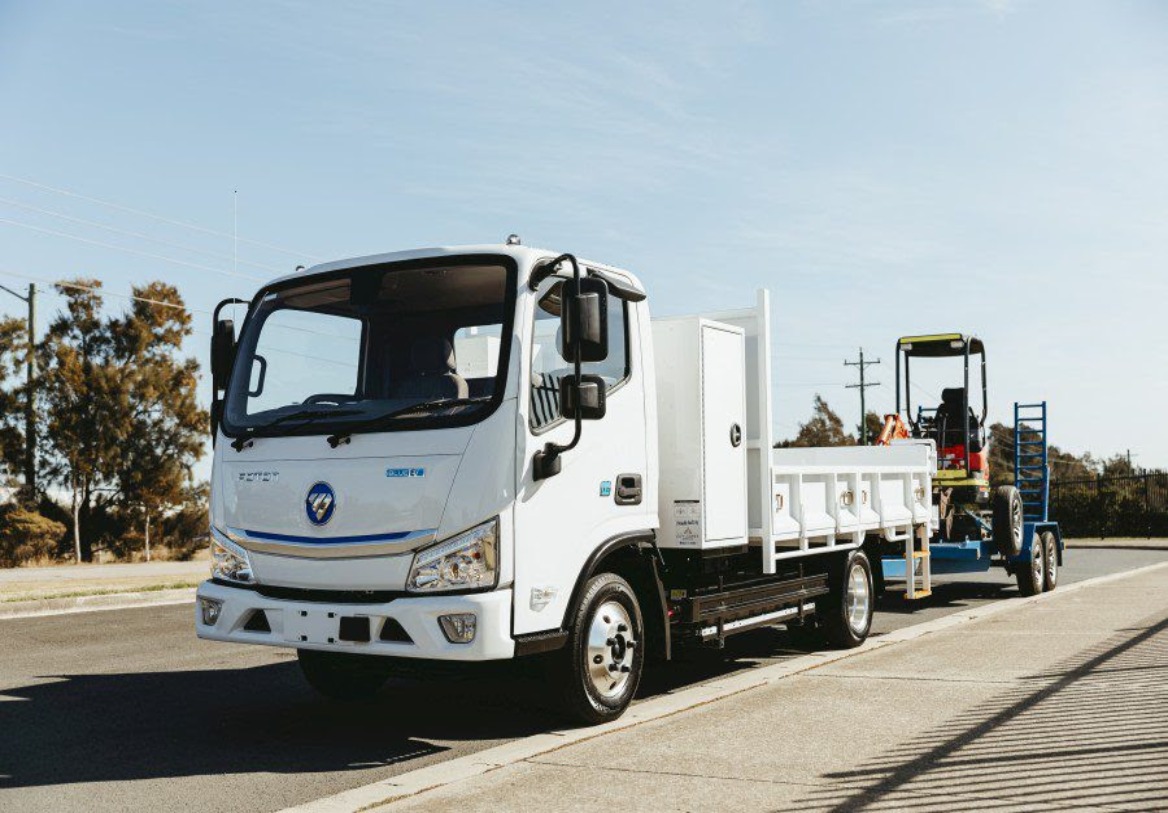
1135,505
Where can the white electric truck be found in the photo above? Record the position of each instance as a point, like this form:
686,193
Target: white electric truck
489,452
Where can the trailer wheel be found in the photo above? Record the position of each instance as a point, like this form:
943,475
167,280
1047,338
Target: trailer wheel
601,666
1008,521
1050,552
1032,575
847,618
342,675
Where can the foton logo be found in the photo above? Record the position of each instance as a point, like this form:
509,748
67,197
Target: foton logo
259,476
320,503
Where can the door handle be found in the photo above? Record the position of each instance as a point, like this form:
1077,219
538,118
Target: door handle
628,489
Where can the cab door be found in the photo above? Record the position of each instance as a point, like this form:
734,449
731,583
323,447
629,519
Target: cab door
601,490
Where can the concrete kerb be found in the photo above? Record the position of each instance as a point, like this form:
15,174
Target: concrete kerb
35,608
1117,544
384,793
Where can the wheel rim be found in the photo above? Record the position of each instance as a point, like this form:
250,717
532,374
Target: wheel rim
1051,562
611,644
857,598
1036,568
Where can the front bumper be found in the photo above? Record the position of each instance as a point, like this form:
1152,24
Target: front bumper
316,624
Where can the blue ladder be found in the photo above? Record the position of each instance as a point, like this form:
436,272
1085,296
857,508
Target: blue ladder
1031,467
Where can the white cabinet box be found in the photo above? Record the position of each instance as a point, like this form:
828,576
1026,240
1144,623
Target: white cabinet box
701,416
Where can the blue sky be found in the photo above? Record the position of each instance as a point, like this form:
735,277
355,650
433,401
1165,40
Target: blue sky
884,168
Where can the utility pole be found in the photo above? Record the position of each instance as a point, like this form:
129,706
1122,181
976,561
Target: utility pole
862,387
30,438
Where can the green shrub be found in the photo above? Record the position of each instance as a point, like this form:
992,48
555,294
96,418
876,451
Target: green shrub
27,536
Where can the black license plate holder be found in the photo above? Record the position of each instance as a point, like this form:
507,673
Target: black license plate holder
354,628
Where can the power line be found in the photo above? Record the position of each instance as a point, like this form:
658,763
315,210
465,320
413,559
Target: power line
99,291
194,331
138,235
130,297
149,254
153,216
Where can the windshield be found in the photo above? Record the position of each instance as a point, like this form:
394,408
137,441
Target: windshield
407,345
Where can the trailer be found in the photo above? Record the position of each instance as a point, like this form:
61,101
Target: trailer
491,452
975,527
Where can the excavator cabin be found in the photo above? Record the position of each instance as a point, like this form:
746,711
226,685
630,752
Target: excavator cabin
953,424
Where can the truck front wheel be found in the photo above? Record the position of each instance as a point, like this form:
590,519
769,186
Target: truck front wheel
846,618
600,668
342,675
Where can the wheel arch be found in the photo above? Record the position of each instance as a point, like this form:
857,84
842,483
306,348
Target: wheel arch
635,558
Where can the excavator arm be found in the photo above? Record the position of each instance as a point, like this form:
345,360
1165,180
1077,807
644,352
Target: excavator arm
894,429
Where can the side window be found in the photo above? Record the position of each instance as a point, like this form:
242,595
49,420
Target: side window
547,362
302,354
476,354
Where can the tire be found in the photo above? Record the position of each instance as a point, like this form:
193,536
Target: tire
1050,556
1008,521
343,676
847,618
600,668
1032,575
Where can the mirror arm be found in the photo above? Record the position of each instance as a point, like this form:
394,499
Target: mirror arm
547,462
229,301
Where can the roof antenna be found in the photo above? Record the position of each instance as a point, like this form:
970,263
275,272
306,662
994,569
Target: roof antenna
235,231
513,240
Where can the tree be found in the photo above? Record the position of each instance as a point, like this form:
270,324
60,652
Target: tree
124,426
13,351
874,422
153,465
825,428
184,531
78,390
1063,465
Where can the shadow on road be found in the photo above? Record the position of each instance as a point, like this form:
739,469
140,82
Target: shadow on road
947,595
142,725
85,728
1090,734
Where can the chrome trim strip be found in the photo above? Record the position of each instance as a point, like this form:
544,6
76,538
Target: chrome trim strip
325,548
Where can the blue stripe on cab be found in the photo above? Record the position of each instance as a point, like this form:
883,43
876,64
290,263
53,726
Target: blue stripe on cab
336,540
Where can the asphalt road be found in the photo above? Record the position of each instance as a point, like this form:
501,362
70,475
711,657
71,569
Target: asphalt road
127,710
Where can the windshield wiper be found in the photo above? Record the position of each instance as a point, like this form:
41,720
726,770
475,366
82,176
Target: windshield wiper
379,420
306,416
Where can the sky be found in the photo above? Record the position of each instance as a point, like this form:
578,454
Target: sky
989,167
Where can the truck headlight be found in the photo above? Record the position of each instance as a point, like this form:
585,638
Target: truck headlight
229,561
467,561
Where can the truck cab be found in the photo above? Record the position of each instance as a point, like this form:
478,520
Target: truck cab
454,454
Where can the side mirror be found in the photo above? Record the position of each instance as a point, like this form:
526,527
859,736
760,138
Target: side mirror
584,315
222,353
583,398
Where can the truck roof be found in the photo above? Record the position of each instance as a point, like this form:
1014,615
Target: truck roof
523,254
